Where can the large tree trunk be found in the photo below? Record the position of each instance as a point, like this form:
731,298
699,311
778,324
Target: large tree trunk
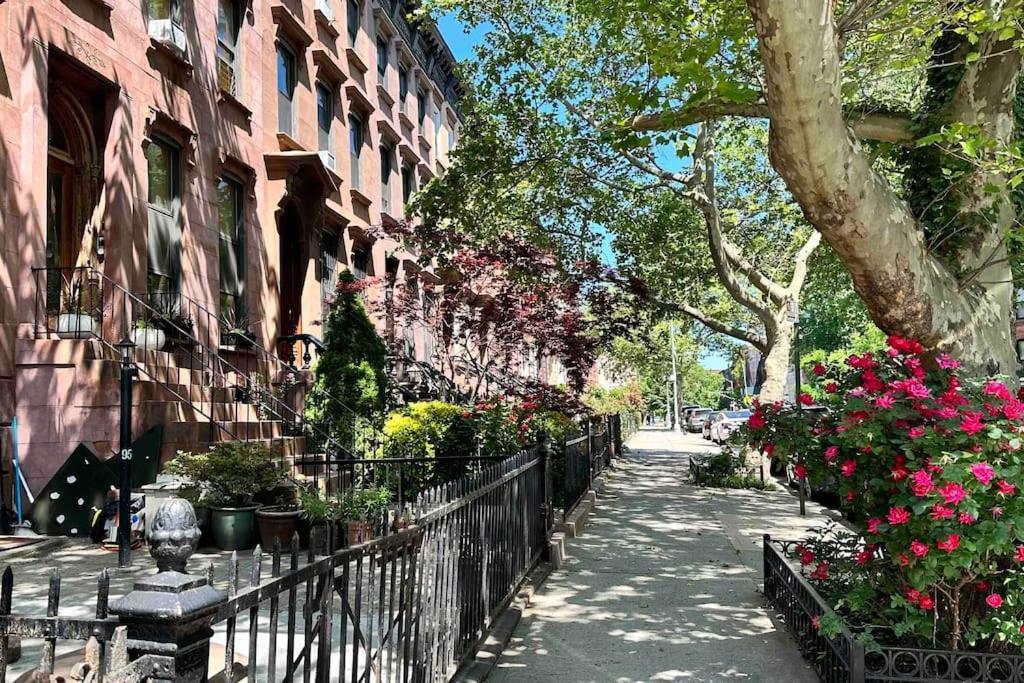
907,290
778,356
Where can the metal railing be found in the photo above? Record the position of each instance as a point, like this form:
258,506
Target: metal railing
409,606
584,456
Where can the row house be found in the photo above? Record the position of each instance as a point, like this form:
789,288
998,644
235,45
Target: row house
214,163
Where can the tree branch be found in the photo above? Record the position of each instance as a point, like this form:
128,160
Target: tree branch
752,272
800,260
700,316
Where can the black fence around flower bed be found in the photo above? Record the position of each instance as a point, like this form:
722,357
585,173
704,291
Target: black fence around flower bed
843,658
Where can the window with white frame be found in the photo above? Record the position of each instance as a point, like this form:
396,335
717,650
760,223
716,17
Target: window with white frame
325,124
165,22
229,21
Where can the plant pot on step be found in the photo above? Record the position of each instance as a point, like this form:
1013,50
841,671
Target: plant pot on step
359,531
75,326
277,523
149,338
233,527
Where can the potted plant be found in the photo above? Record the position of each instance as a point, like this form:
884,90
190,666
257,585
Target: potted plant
238,334
178,329
362,510
232,475
147,336
321,514
75,322
279,519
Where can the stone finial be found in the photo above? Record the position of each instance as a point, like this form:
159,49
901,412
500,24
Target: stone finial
174,535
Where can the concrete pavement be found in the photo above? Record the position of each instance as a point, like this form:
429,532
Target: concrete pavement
664,583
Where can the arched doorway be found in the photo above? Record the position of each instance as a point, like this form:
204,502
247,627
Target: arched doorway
293,273
73,178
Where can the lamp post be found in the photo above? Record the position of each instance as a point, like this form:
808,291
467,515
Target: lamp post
793,315
124,499
675,378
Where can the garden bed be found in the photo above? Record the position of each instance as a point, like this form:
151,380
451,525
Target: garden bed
843,658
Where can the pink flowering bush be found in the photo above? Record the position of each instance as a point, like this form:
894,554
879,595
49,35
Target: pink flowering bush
930,465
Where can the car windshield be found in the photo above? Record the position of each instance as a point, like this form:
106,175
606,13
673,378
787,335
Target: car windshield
736,414
699,413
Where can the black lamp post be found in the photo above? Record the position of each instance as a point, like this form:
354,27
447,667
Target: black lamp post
793,314
124,499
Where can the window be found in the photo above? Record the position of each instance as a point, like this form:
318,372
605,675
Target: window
285,88
403,88
451,137
437,130
382,59
328,269
386,154
355,147
360,263
163,240
408,332
408,183
353,21
228,23
231,224
430,312
324,121
1019,304
165,23
421,106
325,8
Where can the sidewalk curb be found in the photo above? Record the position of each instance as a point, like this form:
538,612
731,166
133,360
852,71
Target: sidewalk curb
498,636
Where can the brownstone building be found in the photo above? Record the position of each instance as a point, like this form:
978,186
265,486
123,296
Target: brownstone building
211,162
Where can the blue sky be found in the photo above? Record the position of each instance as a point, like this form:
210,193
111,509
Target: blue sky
463,45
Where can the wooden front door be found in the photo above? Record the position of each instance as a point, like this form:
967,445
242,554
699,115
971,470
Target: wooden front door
293,272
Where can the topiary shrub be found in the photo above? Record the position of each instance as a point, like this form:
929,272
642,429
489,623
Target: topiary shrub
350,389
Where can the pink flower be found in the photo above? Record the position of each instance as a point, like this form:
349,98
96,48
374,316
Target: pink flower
947,362
971,424
1019,556
903,560
831,452
947,412
848,468
997,389
966,518
806,557
1005,487
864,556
820,572
873,525
983,472
768,449
800,471
913,595
941,512
916,432
816,622
994,600
997,512
884,401
1013,409
950,544
921,483
953,493
898,515
918,548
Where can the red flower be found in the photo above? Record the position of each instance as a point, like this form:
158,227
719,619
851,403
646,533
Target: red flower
966,518
816,622
806,557
768,449
898,515
918,548
873,525
800,471
1019,556
926,602
1005,487
848,468
971,424
903,560
983,472
806,399
820,572
950,544
831,388
1013,409
818,369
864,556
831,452
921,483
756,420
916,432
953,493
913,595
994,600
940,512
997,389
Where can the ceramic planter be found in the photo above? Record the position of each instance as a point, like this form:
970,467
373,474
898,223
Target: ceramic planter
149,339
75,326
277,523
233,528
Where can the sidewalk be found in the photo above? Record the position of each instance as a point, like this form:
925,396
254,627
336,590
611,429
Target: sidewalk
664,583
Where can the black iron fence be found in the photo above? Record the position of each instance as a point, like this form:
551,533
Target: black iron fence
409,606
844,659
583,457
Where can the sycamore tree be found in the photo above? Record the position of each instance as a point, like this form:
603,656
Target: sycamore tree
892,123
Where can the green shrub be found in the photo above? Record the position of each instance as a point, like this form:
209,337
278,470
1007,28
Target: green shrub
350,388
363,504
729,469
232,473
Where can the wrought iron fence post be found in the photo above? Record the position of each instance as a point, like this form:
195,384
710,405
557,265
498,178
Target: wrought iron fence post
546,494
167,615
590,454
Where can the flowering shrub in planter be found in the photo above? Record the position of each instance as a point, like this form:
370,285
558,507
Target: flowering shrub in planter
929,463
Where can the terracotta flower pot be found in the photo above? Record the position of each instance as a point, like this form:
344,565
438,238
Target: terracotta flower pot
277,523
359,532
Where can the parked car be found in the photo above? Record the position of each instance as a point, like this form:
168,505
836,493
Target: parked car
706,427
725,423
695,422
